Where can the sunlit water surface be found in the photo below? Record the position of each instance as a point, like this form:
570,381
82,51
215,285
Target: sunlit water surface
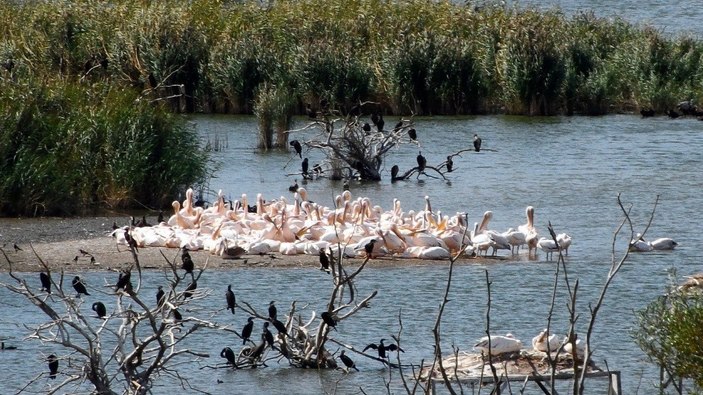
570,169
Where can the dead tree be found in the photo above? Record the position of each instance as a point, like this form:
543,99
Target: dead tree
148,337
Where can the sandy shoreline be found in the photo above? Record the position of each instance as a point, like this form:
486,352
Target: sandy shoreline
58,241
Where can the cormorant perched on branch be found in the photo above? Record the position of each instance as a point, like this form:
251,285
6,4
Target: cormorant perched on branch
347,361
231,300
272,310
377,120
267,335
477,143
421,161
382,348
188,264
45,282
53,366
79,286
160,296
190,289
228,354
99,309
450,164
394,172
280,327
329,320
412,134
366,127
124,281
398,125
298,148
246,331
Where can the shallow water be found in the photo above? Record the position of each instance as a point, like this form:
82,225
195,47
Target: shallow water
570,169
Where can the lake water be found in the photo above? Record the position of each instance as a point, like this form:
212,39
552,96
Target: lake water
569,169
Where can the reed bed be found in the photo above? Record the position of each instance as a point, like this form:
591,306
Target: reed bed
94,60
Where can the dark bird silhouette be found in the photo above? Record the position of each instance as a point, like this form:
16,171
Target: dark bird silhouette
394,172
421,161
231,300
256,353
190,289
382,348
142,222
160,296
53,366
272,310
298,148
246,331
398,125
160,218
450,164
228,354
329,320
177,315
324,261
79,286
99,309
412,134
123,282
312,114
294,187
187,261
377,120
477,143
366,127
130,240
114,225
267,335
17,248
280,327
305,167
4,347
45,282
347,361
84,252
672,114
368,248
647,112
317,169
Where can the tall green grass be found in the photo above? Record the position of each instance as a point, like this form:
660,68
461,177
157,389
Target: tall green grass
411,56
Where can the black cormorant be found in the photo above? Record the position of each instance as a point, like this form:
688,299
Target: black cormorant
324,261
366,127
17,248
369,248
99,309
190,289
382,348
188,264
231,300
305,167
160,296
177,315
248,328
280,327
399,125
267,335
394,172
124,281
450,164
412,134
329,320
272,310
421,161
53,366
298,148
79,286
228,354
477,143
294,187
45,282
347,361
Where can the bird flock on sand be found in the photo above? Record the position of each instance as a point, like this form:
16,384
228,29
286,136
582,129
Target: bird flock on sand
357,226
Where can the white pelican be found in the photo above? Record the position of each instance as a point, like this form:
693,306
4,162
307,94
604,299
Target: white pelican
499,344
564,241
663,243
639,245
541,343
548,246
580,347
421,252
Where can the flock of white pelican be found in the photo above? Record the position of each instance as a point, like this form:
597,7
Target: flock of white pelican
541,342
304,227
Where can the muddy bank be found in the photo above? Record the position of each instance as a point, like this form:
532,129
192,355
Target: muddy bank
59,241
